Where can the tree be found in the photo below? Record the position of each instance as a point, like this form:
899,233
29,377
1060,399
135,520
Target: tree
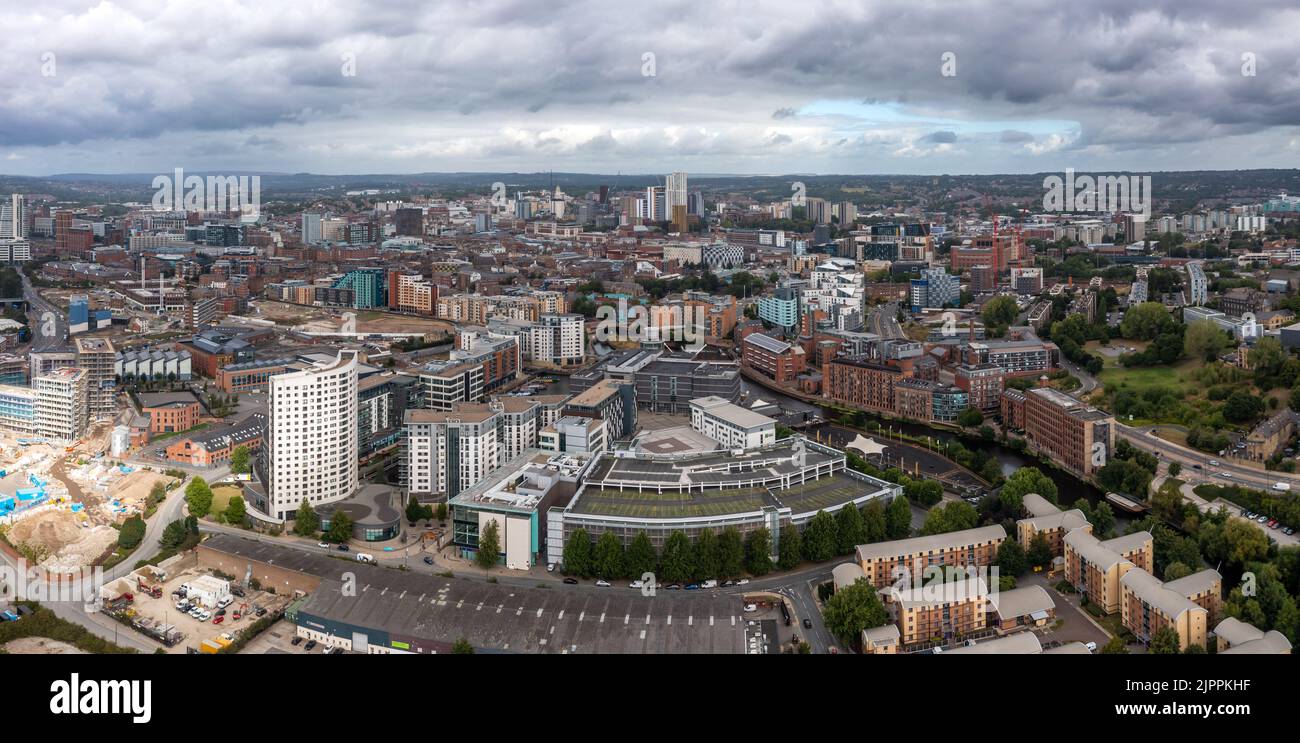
489,546
1101,516
1245,542
821,537
1175,469
708,556
307,523
577,554
340,527
462,647
898,519
609,560
1145,321
873,521
758,552
677,563
235,511
850,530
239,459
1011,558
1242,407
1022,482
131,533
414,511
999,311
174,534
441,512
199,497
732,551
853,609
640,558
1204,340
1176,570
1039,553
790,549
970,417
1164,641
1115,646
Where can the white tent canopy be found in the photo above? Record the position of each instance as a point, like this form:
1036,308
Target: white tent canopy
865,445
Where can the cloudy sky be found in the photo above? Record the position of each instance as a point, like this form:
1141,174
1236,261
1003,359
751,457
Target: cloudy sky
707,86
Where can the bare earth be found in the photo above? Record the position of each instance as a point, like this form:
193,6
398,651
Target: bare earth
41,646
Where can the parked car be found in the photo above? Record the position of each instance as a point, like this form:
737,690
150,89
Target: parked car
603,583
636,584
693,587
742,581
1092,646
342,548
1262,519
310,646
428,560
751,607
550,567
237,591
323,545
218,619
571,581
296,641
709,584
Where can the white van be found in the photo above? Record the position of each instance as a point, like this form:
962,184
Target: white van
363,557
709,584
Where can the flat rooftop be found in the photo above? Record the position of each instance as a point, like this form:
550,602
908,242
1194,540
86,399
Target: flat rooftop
506,618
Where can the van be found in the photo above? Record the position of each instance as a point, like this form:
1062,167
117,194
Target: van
709,584
363,557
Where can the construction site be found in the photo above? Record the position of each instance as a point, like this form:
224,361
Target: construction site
188,608
59,506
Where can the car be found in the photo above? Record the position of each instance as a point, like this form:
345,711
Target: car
334,651
1288,531
1092,646
636,584
1225,474
1214,463
571,581
223,603
1196,466
205,616
218,619
709,584
343,548
693,587
1272,523
807,624
550,567
742,581
221,612
428,560
310,646
751,607
674,586
603,583
180,606
1247,515
728,583
261,611
237,591
323,545
1262,519
296,641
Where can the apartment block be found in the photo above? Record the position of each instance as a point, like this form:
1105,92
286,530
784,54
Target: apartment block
62,404
98,357
1148,605
938,612
884,562
1076,436
1095,567
731,425
1047,519
773,358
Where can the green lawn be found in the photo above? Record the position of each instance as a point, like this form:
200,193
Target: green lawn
221,496
1142,377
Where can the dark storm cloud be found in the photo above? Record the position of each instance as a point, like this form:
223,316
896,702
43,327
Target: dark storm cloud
495,83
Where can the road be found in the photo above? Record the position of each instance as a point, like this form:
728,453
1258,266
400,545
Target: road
1191,460
883,321
44,337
